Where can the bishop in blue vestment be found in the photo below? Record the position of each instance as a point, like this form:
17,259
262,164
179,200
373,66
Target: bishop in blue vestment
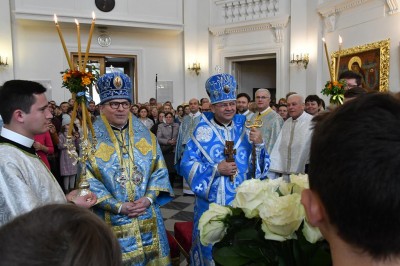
129,177
210,175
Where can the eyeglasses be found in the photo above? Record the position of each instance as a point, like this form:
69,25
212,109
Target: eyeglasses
115,105
262,97
225,105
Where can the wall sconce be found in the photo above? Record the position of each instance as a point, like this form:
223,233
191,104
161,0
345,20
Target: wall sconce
195,67
300,59
2,62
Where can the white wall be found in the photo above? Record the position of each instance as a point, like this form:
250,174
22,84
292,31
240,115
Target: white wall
168,35
157,14
38,53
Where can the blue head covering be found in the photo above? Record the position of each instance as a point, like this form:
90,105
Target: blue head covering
221,88
114,85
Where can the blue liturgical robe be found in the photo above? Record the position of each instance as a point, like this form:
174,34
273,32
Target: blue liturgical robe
143,239
203,152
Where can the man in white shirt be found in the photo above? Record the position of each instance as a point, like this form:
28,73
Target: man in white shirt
290,154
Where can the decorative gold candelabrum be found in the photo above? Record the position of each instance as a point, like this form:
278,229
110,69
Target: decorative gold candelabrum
76,80
87,145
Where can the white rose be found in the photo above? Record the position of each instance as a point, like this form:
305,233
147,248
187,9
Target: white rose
272,185
211,224
268,234
281,216
249,195
300,182
311,233
286,188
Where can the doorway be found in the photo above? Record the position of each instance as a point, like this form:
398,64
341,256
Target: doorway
253,73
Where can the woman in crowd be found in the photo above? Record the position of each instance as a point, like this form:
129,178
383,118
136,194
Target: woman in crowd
160,120
135,109
68,165
312,104
143,116
167,134
179,114
44,145
154,114
186,110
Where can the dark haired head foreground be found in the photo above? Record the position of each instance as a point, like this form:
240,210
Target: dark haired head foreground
354,181
59,234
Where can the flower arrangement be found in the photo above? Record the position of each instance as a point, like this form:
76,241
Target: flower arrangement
335,89
265,226
78,82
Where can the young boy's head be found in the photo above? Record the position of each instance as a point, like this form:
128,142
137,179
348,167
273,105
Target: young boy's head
354,174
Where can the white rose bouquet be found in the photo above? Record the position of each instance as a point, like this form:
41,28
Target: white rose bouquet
266,225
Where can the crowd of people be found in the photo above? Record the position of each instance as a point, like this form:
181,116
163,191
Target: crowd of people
215,144
166,122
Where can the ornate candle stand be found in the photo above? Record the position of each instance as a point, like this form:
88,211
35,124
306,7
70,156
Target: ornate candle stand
87,144
77,80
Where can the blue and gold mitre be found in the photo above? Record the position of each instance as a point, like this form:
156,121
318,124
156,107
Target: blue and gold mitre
221,88
114,85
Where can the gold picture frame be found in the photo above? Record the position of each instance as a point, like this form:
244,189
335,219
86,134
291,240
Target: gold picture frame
371,61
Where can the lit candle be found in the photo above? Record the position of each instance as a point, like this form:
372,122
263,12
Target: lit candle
79,45
89,41
327,59
63,43
338,60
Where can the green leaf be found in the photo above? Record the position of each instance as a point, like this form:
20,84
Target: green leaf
229,256
247,234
